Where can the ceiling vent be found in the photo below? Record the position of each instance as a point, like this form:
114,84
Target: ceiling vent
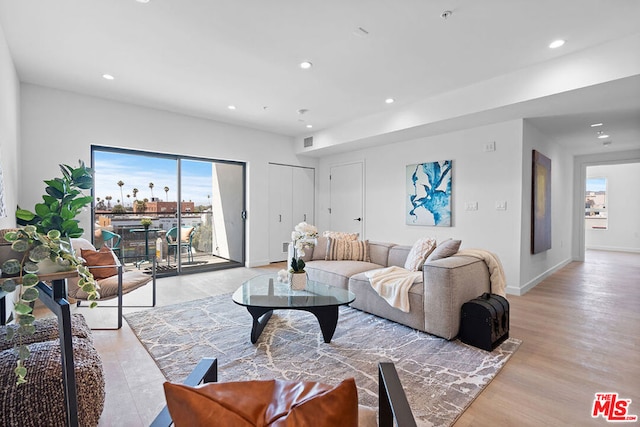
308,142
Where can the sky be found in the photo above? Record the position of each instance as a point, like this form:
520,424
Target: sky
138,171
596,184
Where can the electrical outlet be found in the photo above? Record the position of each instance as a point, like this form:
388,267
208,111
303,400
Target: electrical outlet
501,205
471,206
489,146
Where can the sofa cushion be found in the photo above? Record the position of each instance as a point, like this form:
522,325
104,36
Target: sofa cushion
337,273
420,250
347,250
319,249
379,253
444,250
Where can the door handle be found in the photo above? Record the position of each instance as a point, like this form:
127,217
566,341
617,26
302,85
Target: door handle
357,219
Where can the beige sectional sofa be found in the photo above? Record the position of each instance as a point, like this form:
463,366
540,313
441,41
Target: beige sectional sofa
435,299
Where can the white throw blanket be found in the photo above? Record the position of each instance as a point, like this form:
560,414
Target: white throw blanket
496,272
392,284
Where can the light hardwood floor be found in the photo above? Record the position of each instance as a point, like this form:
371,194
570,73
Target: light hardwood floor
580,329
581,335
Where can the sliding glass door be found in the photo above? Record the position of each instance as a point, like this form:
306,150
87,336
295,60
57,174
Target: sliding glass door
195,209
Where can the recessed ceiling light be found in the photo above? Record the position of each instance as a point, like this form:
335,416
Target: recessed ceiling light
142,1
107,77
306,65
389,100
556,44
309,126
603,136
231,107
595,125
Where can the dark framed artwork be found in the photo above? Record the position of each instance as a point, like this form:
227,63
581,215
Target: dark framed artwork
540,203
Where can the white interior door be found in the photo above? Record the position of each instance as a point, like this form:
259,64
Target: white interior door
346,190
280,207
303,195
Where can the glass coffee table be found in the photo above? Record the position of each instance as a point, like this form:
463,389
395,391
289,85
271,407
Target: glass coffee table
263,294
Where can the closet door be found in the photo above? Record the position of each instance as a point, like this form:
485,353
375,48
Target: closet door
303,195
280,211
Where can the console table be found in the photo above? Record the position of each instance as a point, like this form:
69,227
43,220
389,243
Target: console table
53,293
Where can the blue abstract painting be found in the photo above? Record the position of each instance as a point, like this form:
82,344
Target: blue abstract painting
429,193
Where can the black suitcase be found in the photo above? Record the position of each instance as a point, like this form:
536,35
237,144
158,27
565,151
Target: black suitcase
484,321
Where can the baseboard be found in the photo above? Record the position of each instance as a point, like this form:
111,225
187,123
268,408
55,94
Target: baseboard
533,282
257,263
613,249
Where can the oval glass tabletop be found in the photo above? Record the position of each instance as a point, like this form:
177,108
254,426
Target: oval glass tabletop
266,291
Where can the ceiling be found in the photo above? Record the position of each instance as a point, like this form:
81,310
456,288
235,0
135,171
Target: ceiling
197,57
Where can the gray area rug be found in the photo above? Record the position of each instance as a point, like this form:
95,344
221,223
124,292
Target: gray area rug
441,377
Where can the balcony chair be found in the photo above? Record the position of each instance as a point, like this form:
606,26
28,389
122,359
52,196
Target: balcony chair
186,238
393,407
112,241
110,275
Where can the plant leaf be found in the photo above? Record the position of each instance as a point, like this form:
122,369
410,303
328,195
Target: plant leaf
30,295
24,215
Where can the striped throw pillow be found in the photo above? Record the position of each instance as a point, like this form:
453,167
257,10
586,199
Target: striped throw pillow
347,250
340,235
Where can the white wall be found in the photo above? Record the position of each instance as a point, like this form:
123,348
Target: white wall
534,268
59,127
478,176
9,133
623,206
9,139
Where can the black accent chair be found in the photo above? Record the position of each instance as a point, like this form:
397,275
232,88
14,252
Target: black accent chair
393,407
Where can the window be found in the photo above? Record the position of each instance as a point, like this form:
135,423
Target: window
596,202
133,185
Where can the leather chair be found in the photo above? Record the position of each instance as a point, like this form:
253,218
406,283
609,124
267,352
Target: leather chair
393,407
114,284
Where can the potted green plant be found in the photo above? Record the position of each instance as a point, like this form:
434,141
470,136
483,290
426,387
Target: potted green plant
45,237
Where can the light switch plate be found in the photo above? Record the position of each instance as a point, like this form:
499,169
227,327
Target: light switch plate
501,205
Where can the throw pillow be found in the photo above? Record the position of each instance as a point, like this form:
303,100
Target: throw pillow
419,252
340,235
274,402
185,232
102,258
445,250
347,250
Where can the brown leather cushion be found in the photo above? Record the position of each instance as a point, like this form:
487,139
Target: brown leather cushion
103,257
263,403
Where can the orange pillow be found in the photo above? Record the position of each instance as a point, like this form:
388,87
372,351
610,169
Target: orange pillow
102,257
264,403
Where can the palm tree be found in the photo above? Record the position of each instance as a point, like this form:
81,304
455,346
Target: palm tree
151,188
120,184
135,193
108,199
166,190
128,197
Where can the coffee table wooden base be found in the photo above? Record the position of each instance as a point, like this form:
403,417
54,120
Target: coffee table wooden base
327,318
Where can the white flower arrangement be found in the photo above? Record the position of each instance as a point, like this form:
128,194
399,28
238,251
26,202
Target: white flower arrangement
303,236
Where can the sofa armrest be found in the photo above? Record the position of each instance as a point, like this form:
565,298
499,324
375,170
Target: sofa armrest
449,283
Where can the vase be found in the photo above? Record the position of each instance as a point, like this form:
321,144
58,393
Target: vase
298,281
